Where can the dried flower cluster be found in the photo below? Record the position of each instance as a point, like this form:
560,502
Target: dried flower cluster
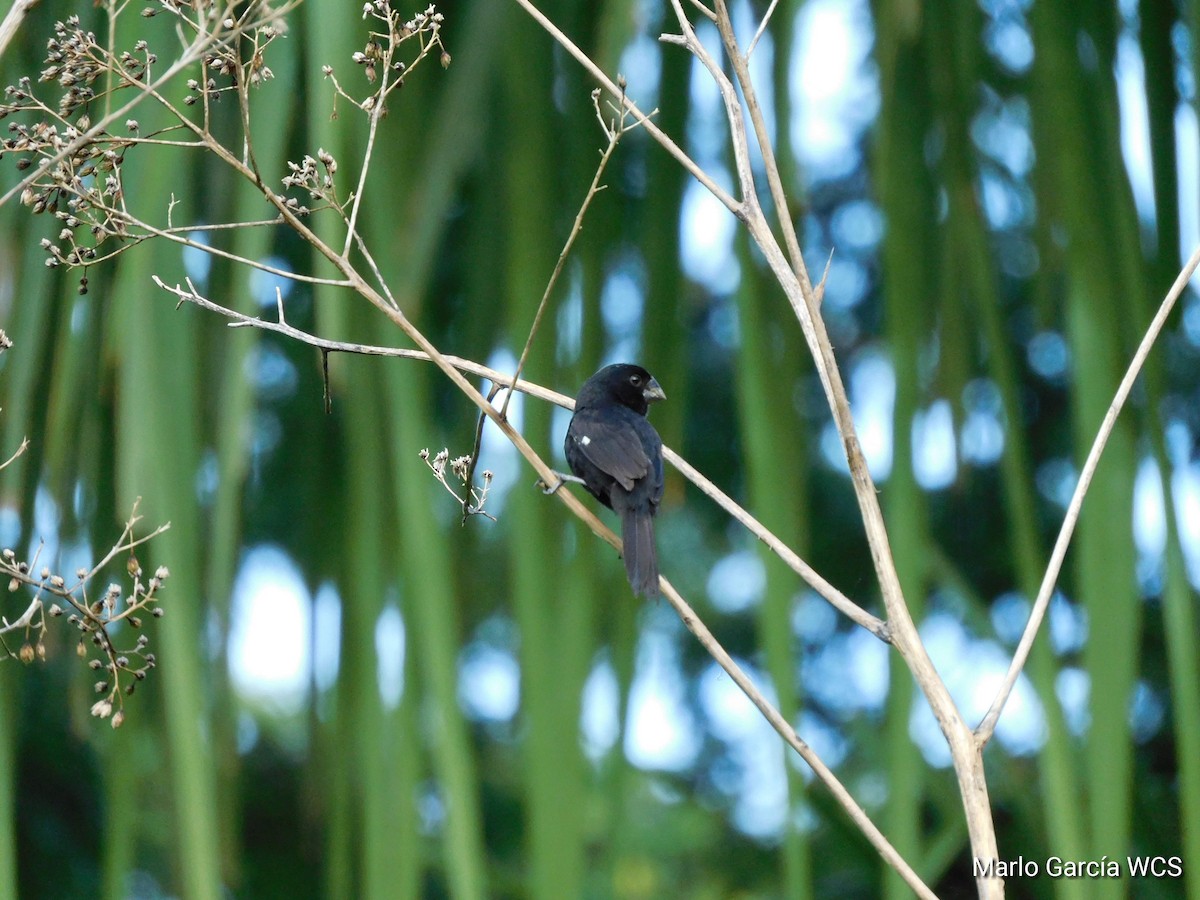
235,64
381,51
462,467
77,164
318,182
78,177
425,26
76,156
100,621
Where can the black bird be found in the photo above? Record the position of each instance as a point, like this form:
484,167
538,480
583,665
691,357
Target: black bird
618,455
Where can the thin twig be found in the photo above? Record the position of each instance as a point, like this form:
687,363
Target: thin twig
613,131
124,544
242,83
836,598
24,446
987,726
819,290
176,235
785,730
373,117
741,70
642,119
376,107
762,27
477,445
25,619
374,267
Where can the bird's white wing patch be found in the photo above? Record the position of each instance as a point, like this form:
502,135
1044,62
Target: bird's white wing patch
585,440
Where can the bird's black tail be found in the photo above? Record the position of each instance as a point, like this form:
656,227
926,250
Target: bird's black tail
641,556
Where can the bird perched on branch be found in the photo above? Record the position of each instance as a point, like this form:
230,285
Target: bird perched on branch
617,455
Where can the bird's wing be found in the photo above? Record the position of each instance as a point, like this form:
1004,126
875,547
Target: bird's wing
611,445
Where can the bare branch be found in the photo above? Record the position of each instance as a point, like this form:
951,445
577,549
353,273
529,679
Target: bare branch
12,21
762,27
785,730
609,85
836,598
178,234
25,619
24,446
987,726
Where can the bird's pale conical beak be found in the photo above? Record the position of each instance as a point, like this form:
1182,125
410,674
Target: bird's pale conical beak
653,391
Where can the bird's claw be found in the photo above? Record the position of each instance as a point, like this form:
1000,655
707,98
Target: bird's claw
562,478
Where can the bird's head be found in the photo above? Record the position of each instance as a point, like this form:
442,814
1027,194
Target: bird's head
625,383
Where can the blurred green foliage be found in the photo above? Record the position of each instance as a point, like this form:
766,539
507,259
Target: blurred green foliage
983,222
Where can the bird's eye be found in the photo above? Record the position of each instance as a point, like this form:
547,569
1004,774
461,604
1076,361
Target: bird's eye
635,380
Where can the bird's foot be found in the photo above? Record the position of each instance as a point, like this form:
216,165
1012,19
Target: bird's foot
561,478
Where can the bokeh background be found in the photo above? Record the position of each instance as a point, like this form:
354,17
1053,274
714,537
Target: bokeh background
357,697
